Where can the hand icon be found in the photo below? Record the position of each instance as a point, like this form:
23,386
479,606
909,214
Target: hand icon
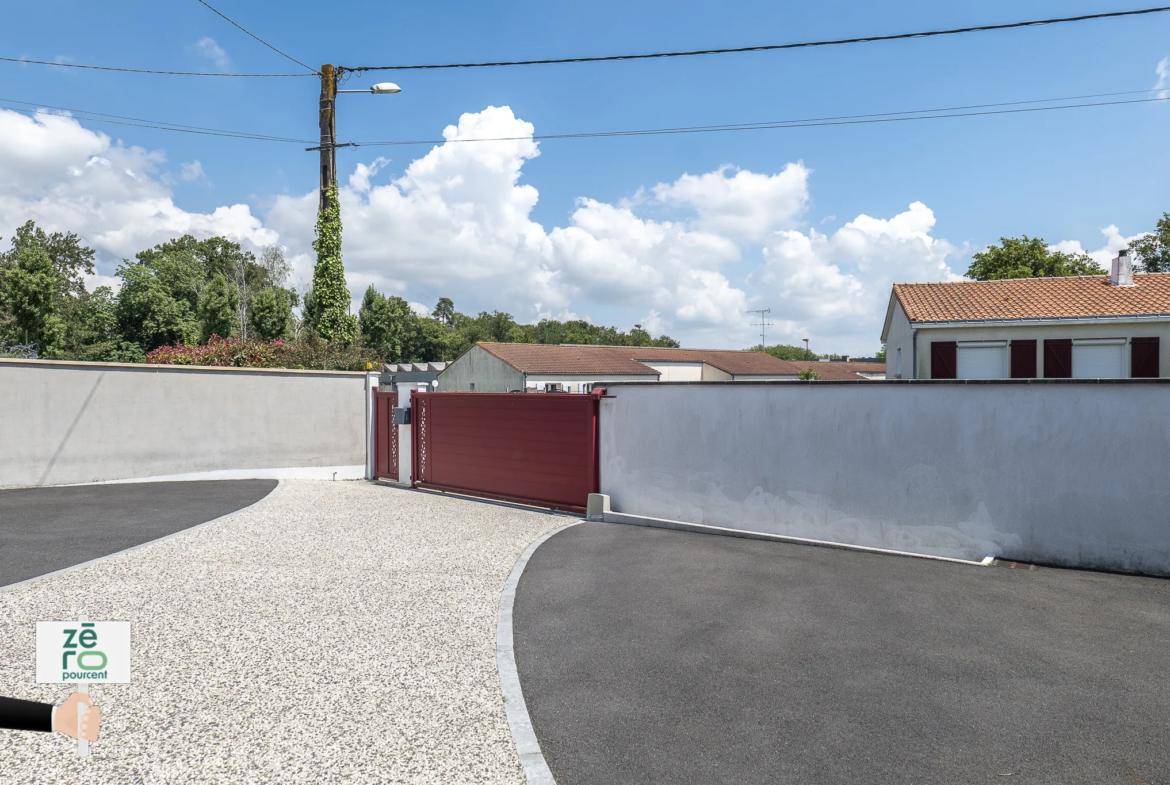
65,719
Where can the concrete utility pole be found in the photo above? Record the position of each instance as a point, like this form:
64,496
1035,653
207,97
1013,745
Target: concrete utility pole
328,130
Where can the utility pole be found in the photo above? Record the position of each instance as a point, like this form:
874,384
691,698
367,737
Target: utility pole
328,120
763,325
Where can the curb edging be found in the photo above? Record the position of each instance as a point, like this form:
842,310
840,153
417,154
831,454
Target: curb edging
536,769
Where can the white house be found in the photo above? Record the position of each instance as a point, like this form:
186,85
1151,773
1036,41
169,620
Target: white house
1092,326
509,367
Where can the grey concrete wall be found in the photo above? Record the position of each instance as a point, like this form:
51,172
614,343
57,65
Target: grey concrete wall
1063,472
64,423
485,370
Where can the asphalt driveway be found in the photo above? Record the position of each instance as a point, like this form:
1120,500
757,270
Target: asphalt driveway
47,529
656,656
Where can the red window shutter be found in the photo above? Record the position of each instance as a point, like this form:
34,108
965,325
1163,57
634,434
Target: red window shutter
1058,358
1143,358
943,359
1023,359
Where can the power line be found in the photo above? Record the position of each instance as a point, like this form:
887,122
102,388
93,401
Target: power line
157,123
885,117
258,38
113,119
771,47
139,70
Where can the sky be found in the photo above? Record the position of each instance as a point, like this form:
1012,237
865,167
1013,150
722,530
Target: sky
683,233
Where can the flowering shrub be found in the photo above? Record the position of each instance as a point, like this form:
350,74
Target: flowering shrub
18,351
220,351
236,352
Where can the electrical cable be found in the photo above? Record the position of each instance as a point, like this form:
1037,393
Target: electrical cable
258,38
771,47
885,117
140,70
155,123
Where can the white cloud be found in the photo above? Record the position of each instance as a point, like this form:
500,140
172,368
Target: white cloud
834,287
458,223
214,52
1163,70
68,178
192,172
746,205
1114,242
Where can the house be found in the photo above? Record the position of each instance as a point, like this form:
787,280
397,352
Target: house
1091,326
507,367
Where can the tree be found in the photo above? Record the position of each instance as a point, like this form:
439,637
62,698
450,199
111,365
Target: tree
33,286
426,340
147,314
808,375
784,351
218,309
1028,257
444,310
330,294
384,323
1153,250
271,313
276,269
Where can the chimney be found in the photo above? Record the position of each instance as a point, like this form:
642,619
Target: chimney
1122,269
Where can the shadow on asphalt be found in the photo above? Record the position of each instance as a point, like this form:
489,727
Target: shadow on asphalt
47,529
654,656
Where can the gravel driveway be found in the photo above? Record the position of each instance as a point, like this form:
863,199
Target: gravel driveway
335,632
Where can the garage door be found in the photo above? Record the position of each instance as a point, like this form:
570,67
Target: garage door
982,361
1099,359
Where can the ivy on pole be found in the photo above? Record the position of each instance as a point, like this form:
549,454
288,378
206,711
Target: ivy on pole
330,294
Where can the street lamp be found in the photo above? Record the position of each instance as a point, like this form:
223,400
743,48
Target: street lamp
330,76
805,345
382,88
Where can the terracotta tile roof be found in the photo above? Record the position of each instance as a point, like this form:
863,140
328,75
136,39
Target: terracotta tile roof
555,358
837,370
1034,298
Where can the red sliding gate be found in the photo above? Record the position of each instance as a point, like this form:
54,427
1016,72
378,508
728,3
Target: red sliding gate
526,447
385,435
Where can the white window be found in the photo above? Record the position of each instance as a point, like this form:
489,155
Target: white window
981,360
1098,358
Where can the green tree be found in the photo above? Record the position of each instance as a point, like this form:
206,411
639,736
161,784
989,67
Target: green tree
444,310
785,351
271,313
1028,257
426,340
147,314
1153,250
33,286
808,375
217,309
384,323
330,294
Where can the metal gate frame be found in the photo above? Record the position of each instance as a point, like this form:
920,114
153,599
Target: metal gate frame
423,411
385,436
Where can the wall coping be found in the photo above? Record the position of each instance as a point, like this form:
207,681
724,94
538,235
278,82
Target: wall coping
876,382
158,368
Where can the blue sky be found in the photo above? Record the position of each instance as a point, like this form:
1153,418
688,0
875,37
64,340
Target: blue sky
1062,175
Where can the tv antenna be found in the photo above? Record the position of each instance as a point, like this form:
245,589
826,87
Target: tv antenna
764,324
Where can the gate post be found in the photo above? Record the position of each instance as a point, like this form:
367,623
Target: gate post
371,388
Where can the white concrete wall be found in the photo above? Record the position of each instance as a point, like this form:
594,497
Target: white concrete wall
63,423
1061,472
